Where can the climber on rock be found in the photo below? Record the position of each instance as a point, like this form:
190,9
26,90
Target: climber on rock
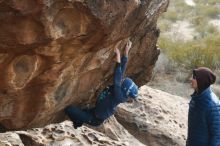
121,90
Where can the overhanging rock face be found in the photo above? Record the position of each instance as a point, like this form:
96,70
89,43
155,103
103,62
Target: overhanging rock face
57,52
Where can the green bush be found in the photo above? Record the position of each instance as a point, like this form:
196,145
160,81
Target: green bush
205,30
210,11
204,2
177,10
199,20
164,25
171,15
202,12
205,52
213,2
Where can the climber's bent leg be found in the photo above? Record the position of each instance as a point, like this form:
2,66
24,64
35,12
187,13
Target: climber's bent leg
79,116
93,120
76,115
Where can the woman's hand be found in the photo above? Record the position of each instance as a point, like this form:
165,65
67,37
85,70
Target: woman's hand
118,56
127,48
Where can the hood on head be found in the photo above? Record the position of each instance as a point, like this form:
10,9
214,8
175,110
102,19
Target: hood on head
204,77
130,88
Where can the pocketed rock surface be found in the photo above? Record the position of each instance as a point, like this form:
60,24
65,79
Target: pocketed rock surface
155,119
59,52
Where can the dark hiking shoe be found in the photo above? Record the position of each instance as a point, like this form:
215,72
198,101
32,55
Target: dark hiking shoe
2,128
76,125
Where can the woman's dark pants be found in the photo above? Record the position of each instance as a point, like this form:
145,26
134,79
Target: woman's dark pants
79,116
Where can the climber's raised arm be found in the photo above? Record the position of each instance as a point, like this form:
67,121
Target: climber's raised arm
118,70
127,48
124,58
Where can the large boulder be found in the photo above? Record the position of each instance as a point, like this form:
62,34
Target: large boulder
155,119
62,134
57,52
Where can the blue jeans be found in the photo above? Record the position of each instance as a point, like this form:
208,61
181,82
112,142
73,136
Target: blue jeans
79,116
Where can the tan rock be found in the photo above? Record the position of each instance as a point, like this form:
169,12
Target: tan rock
10,139
62,134
156,118
116,131
57,52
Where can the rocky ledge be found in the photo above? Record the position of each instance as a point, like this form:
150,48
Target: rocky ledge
59,52
155,119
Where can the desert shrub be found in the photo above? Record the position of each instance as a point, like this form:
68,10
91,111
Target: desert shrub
171,15
211,2
204,52
206,31
207,10
164,25
176,11
198,20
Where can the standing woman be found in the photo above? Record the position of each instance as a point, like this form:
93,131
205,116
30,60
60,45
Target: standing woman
204,110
